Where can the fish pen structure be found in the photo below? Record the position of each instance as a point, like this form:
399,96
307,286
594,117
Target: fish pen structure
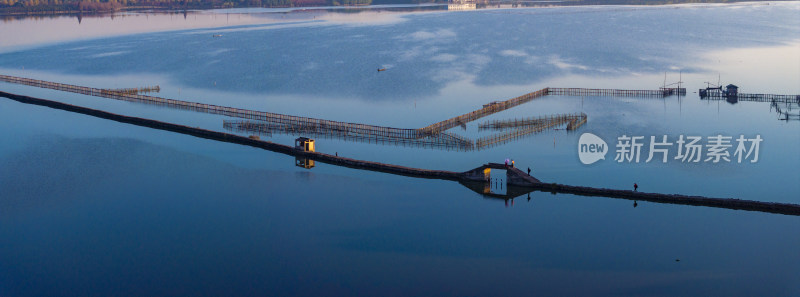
499,106
444,140
524,127
441,140
266,123
576,120
269,117
153,89
487,109
576,123
661,92
717,94
785,115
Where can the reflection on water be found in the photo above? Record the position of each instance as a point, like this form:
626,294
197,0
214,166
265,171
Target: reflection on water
514,130
497,184
787,111
27,31
156,218
781,104
422,55
32,31
107,208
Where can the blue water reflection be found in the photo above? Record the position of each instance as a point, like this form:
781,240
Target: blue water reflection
424,52
94,207
141,219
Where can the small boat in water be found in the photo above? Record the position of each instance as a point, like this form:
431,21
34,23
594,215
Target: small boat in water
217,35
381,69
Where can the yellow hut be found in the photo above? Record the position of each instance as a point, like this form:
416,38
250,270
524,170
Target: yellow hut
305,144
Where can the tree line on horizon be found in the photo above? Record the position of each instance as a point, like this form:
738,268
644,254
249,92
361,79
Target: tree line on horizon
10,7
44,6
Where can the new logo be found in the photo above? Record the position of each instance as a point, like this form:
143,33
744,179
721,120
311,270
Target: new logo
591,148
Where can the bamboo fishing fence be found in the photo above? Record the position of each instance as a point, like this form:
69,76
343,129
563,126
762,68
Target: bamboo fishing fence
443,140
715,94
291,120
429,136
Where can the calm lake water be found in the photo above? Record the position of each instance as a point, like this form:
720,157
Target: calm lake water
100,208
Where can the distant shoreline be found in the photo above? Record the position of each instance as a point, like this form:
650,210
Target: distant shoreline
72,9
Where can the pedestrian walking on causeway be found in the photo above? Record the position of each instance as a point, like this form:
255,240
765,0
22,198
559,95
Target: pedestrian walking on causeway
529,171
512,163
635,187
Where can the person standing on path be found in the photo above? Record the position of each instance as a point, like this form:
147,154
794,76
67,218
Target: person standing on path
529,171
635,187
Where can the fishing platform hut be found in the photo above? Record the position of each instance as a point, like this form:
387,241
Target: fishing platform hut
306,145
732,95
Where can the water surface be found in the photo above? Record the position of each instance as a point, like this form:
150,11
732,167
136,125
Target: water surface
93,207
